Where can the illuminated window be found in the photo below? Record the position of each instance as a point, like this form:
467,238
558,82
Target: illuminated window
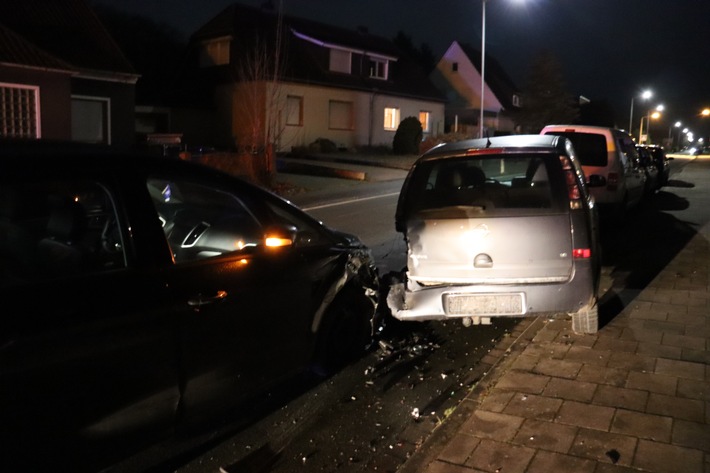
215,52
340,61
340,115
424,119
294,110
391,118
378,68
90,117
19,111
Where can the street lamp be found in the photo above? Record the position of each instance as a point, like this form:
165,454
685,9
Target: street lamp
655,115
646,94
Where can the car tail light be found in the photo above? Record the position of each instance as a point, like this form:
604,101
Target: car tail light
581,253
612,181
575,197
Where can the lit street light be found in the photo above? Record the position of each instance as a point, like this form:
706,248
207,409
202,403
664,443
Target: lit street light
655,115
646,94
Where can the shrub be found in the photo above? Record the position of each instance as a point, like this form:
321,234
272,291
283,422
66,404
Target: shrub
408,136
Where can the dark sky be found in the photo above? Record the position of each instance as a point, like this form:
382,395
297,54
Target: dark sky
610,49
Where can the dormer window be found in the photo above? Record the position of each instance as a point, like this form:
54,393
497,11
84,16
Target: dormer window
378,68
215,52
340,60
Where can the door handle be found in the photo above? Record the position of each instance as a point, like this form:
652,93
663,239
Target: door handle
200,301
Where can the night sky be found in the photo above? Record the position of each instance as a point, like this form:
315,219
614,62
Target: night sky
610,49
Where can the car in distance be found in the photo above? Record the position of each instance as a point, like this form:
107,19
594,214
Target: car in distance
663,163
499,227
152,296
610,161
648,164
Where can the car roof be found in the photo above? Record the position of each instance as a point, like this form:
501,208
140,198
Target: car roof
549,143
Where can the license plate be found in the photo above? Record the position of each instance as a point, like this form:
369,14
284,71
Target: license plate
485,304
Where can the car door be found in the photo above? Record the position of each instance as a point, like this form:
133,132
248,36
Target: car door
87,350
246,309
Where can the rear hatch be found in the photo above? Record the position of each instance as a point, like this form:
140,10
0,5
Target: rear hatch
509,226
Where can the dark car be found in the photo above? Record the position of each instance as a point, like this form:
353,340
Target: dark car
498,228
663,163
145,297
650,168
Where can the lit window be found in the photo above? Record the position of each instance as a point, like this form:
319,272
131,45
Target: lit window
391,118
340,61
378,68
516,100
340,115
424,119
294,110
19,111
90,119
215,52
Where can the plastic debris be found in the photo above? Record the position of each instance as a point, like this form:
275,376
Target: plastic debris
415,413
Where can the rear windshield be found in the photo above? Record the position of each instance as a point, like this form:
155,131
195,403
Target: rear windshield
498,184
590,147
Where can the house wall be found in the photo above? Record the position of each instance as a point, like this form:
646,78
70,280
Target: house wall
54,98
367,121
121,97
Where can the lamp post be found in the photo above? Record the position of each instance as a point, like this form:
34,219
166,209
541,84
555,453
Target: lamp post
646,94
483,64
649,115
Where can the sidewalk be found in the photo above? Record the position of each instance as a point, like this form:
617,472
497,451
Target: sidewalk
634,397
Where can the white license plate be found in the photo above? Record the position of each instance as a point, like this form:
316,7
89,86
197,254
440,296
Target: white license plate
484,304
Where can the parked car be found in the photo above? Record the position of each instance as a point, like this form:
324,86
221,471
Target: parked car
663,163
648,164
610,160
147,296
498,228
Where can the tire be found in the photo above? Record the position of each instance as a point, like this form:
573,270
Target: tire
586,319
345,334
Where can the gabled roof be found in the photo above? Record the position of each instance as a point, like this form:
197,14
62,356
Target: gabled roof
14,49
304,63
68,30
495,76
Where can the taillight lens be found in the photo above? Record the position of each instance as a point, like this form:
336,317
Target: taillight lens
581,253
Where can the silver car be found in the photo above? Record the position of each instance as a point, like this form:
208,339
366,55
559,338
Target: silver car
500,227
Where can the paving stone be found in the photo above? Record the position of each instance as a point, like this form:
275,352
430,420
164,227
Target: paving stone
613,396
443,467
547,350
692,434
684,341
652,382
641,335
558,368
497,456
492,425
585,415
603,375
522,381
604,447
611,468
676,407
687,319
525,362
637,424
631,362
532,406
668,327
496,400
658,350
664,458
459,448
574,390
546,435
615,345
588,356
547,462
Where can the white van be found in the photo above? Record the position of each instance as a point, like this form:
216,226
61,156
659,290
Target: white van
610,162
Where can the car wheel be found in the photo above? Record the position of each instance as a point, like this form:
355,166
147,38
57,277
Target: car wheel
586,319
346,332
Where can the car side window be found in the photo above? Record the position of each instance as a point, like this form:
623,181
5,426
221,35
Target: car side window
57,229
201,221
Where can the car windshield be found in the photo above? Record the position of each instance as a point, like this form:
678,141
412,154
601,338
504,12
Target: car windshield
497,183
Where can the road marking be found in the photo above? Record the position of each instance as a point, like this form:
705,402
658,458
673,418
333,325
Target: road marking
351,201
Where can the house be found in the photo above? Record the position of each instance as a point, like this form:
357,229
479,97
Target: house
257,78
62,76
458,76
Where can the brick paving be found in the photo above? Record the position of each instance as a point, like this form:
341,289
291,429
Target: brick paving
634,397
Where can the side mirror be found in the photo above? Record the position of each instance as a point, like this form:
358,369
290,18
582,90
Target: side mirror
595,180
278,236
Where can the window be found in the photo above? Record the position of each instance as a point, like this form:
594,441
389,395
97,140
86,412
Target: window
391,118
378,68
424,119
90,118
340,115
215,52
455,66
294,110
340,61
516,100
19,111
